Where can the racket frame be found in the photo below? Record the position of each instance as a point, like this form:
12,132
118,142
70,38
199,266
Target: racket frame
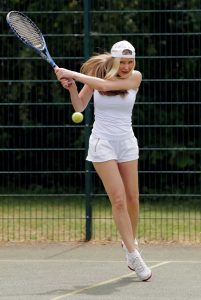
43,52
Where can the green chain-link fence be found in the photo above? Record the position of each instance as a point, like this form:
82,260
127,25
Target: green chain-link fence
47,190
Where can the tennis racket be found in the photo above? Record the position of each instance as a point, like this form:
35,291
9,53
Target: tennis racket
27,31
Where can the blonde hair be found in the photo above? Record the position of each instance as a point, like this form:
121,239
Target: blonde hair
103,66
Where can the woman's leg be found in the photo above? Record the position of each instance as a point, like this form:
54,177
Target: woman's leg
111,175
129,175
111,178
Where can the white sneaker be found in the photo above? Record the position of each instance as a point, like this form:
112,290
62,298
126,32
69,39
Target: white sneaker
136,263
135,244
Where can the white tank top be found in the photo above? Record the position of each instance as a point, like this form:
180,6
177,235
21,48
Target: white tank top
113,115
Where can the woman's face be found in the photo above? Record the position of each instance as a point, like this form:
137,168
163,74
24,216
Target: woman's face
125,67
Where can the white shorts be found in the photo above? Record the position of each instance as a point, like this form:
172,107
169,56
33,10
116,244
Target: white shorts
101,150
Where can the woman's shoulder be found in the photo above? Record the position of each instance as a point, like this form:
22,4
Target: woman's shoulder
137,74
136,78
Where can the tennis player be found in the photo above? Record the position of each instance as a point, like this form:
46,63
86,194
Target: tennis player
113,147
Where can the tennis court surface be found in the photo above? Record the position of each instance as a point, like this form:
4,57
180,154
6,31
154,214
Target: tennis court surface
97,271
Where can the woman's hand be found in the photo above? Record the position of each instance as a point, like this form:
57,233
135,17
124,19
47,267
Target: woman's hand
66,81
63,73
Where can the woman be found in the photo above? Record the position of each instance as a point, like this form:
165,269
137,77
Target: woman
113,147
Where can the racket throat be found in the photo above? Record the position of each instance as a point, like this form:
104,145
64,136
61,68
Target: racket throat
45,55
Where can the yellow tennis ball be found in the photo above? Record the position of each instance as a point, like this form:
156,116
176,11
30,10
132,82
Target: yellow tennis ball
77,117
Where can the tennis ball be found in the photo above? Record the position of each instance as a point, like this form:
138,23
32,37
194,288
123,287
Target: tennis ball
77,117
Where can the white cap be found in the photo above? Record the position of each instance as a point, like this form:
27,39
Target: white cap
123,49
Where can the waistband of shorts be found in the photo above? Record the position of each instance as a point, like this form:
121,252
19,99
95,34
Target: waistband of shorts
109,137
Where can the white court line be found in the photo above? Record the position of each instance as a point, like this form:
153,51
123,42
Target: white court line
90,261
65,260
104,282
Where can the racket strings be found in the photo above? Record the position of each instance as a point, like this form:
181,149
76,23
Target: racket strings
27,30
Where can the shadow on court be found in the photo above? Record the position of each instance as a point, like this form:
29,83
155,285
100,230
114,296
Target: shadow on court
96,271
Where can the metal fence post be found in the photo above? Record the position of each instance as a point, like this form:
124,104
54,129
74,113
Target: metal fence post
87,41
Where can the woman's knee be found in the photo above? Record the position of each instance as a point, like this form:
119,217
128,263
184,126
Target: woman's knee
118,201
133,199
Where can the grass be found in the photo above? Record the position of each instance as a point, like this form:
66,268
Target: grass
165,220
63,219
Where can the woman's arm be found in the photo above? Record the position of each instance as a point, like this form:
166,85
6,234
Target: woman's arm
132,82
81,100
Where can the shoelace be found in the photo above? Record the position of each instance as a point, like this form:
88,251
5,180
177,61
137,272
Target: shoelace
138,263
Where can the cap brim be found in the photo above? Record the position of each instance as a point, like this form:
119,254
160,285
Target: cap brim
123,56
